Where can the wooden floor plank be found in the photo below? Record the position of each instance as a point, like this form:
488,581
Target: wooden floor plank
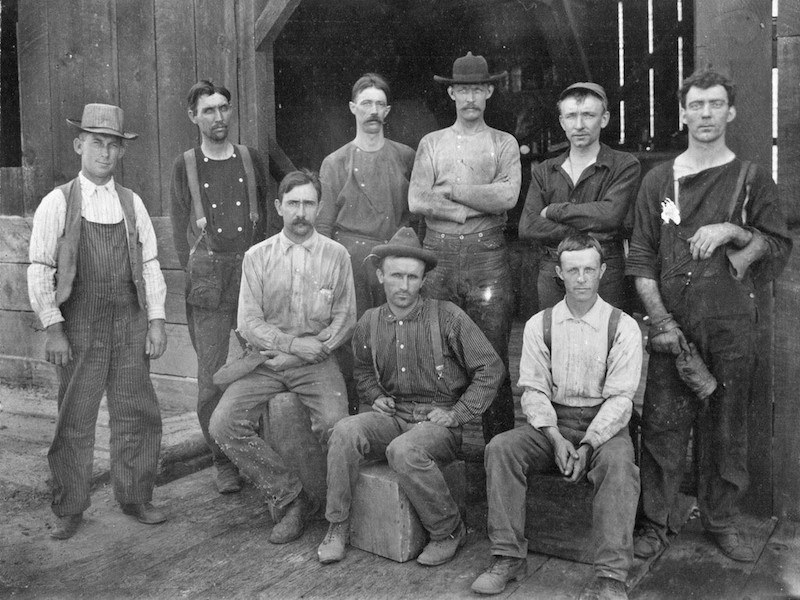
777,572
693,566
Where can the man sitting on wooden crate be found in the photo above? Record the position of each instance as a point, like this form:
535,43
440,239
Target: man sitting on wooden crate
580,368
427,369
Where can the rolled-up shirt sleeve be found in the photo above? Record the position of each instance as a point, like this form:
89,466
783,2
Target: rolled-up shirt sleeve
154,285
48,226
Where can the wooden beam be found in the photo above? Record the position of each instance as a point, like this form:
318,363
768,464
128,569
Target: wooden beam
272,19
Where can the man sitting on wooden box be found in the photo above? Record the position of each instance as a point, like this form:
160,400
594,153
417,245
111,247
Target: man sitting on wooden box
580,368
427,369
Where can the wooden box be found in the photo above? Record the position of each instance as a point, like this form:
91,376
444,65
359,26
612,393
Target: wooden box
558,517
382,520
288,425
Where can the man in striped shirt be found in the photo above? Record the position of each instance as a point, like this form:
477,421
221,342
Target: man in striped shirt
96,285
580,371
421,397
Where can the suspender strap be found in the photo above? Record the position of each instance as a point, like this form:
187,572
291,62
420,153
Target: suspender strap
250,175
194,185
436,344
744,171
547,327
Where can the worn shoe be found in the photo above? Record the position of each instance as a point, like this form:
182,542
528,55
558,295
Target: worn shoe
648,543
604,588
66,526
503,570
734,547
291,525
438,552
145,513
332,548
227,479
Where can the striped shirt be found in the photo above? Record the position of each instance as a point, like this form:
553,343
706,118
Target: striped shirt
100,205
473,371
294,290
581,370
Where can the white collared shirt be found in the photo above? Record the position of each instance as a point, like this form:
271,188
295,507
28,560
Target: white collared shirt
100,205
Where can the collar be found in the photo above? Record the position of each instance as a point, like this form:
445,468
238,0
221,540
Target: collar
595,318
604,158
416,312
89,187
309,245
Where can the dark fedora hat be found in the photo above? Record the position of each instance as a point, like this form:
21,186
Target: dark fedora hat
103,118
404,244
470,69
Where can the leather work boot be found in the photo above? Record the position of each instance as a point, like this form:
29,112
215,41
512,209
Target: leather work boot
503,570
66,526
734,547
145,513
648,543
294,520
438,552
332,548
604,588
227,479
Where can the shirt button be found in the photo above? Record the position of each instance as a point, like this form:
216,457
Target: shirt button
240,180
238,204
213,206
402,346
219,230
399,322
461,237
205,185
363,185
752,295
205,159
239,229
403,370
233,155
356,169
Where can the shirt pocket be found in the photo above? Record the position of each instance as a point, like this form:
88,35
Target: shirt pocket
321,305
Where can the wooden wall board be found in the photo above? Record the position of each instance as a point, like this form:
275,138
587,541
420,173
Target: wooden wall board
776,572
14,287
33,56
22,334
136,58
789,124
167,256
176,67
215,48
176,297
12,191
788,18
635,92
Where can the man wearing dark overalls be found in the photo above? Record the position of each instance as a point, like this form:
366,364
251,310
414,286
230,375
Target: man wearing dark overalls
217,193
709,229
96,285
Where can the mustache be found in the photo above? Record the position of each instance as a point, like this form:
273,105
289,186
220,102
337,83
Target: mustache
300,221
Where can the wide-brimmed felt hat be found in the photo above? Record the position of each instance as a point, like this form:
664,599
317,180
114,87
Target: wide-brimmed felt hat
470,69
404,244
585,86
103,118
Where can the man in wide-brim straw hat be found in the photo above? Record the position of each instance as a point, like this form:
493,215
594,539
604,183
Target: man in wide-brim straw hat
464,180
420,396
96,285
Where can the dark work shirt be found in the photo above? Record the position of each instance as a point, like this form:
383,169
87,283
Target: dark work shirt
660,250
601,202
223,192
472,369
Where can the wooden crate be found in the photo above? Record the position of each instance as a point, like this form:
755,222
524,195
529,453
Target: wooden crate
382,520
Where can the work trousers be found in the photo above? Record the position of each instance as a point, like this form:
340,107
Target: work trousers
235,423
107,330
474,274
614,288
512,456
415,451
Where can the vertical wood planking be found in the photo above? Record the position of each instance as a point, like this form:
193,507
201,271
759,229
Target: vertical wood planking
215,44
176,73
12,201
136,52
34,95
635,92
786,442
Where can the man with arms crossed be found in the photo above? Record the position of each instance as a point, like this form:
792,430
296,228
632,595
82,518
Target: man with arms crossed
709,229
296,306
465,178
580,367
420,395
590,189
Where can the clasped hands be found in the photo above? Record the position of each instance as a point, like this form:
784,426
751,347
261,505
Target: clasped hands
439,416
302,350
571,462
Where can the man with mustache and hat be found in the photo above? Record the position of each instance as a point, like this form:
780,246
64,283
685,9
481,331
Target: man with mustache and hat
219,209
365,196
464,180
296,306
96,285
427,369
590,189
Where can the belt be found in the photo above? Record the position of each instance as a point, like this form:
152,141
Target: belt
467,236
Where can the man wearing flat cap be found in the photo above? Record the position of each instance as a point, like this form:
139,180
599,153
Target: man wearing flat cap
588,189
464,180
427,369
96,285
